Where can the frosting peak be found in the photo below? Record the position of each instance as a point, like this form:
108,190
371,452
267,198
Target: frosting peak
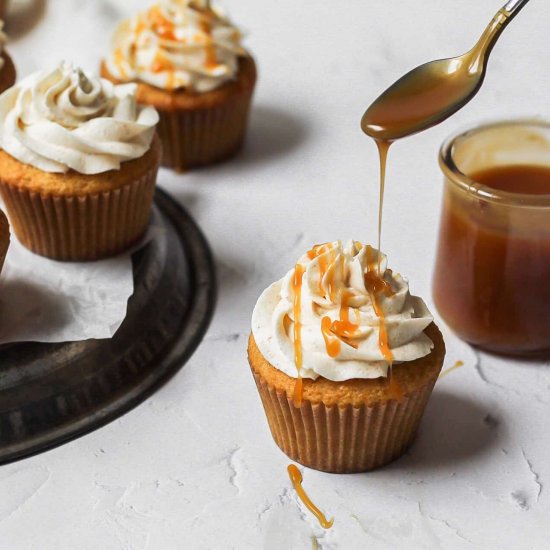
356,317
68,119
177,44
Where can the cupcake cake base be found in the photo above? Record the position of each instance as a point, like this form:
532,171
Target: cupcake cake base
77,217
351,426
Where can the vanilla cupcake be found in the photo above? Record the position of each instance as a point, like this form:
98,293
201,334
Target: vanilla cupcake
344,359
4,238
7,68
78,164
189,64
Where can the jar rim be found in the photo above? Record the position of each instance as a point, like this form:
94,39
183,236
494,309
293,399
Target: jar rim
484,192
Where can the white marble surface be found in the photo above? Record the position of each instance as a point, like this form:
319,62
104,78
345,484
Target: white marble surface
195,466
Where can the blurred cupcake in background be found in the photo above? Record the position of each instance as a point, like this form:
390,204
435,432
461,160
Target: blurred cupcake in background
7,68
78,164
3,9
187,59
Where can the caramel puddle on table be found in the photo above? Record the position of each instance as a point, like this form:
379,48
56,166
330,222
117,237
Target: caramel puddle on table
296,478
457,365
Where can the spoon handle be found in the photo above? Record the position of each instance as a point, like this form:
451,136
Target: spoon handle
513,6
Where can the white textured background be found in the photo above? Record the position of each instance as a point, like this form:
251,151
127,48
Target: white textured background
195,466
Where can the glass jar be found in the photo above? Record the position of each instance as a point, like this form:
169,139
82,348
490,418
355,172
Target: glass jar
492,274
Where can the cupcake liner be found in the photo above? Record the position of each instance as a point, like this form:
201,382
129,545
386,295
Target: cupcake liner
342,439
204,136
81,227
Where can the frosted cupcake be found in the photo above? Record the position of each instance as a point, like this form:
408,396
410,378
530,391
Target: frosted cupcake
189,64
78,164
344,358
7,68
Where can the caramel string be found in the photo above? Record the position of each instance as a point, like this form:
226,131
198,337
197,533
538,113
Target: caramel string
296,478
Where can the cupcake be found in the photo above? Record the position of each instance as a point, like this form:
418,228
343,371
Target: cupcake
188,62
7,68
344,359
4,238
78,164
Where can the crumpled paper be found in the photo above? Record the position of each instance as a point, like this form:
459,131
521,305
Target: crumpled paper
43,300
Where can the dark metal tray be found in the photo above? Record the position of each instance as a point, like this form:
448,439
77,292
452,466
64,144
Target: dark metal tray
52,393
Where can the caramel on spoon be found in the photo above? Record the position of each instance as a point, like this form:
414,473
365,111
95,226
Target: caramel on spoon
434,91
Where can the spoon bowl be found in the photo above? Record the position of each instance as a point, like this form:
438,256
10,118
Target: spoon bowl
434,91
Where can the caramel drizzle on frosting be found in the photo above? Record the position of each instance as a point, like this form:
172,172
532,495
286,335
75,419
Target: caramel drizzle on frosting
297,279
296,478
342,329
166,30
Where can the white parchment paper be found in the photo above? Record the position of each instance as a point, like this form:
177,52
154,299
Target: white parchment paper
42,300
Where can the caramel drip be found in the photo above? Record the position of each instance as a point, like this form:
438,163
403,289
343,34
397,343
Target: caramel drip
211,60
119,59
161,26
296,478
375,285
332,343
318,251
383,148
457,365
342,329
297,311
395,391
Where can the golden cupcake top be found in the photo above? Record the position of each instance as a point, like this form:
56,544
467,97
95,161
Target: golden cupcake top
177,44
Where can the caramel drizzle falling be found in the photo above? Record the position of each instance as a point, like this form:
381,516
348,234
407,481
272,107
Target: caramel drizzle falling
296,478
297,311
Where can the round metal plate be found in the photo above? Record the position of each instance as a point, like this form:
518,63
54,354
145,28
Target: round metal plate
52,393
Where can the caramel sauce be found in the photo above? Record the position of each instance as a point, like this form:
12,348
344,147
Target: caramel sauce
376,285
296,478
297,311
516,178
457,365
119,60
332,342
492,270
383,148
162,27
395,390
207,15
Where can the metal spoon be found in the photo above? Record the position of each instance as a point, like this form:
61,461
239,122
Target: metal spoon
432,92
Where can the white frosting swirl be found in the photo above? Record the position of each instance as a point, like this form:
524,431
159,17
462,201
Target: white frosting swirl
177,44
334,281
67,119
